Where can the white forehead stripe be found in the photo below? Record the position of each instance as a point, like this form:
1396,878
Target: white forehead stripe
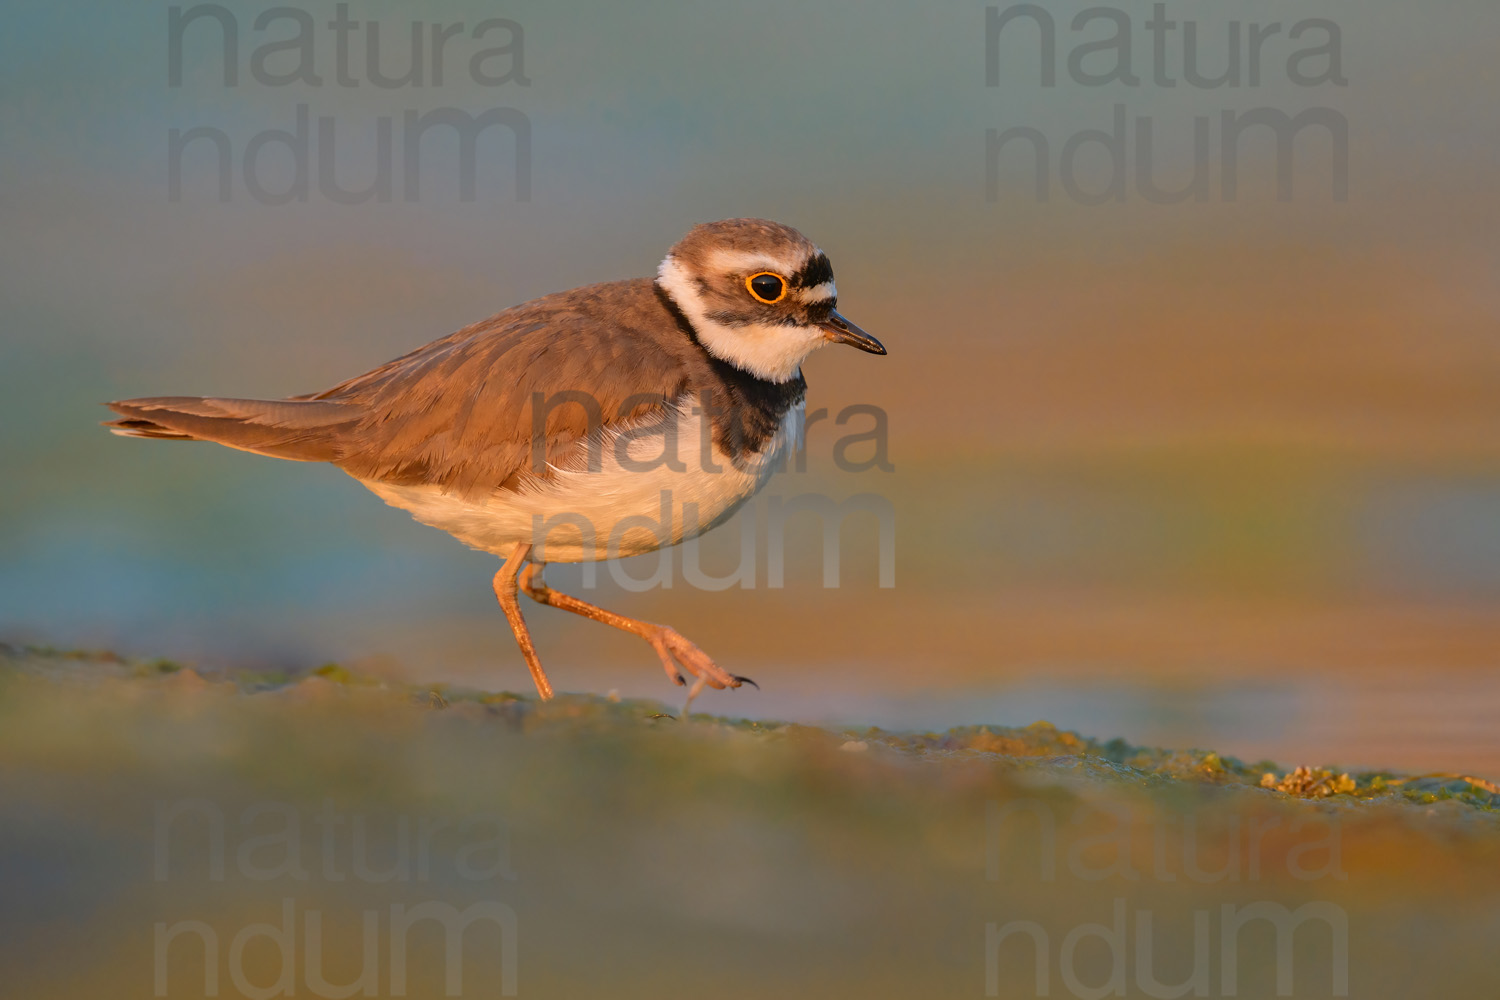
819,293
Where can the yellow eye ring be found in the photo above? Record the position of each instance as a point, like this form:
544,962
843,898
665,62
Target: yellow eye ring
781,287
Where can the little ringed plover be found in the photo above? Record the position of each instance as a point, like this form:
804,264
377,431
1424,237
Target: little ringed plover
601,422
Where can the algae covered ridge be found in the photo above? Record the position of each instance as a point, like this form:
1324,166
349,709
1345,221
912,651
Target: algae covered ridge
269,835
1040,746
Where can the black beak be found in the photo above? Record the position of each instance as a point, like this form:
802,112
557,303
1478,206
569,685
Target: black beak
841,331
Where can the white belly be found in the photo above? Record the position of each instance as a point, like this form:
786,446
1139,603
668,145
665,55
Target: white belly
618,508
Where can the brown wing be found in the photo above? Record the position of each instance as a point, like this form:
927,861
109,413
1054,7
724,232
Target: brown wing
472,412
477,409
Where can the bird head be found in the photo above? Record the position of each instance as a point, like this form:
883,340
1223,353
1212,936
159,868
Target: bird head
759,295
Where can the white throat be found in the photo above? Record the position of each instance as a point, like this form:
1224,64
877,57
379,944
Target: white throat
771,352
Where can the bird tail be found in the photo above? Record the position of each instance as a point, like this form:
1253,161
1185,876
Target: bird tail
300,430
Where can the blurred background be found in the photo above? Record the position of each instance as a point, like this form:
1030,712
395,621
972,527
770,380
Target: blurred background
1222,472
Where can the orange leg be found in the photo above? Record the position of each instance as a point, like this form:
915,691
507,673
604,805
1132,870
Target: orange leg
505,590
677,653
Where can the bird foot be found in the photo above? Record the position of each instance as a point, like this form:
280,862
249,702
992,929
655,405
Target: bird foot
678,654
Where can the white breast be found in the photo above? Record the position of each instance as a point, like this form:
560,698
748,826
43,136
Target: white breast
666,482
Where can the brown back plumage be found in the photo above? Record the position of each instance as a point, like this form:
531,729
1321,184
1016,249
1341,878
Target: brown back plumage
458,412
465,412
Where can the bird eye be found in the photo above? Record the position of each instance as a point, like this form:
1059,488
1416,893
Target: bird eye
766,287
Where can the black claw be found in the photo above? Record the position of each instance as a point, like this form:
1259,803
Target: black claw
679,681
746,680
